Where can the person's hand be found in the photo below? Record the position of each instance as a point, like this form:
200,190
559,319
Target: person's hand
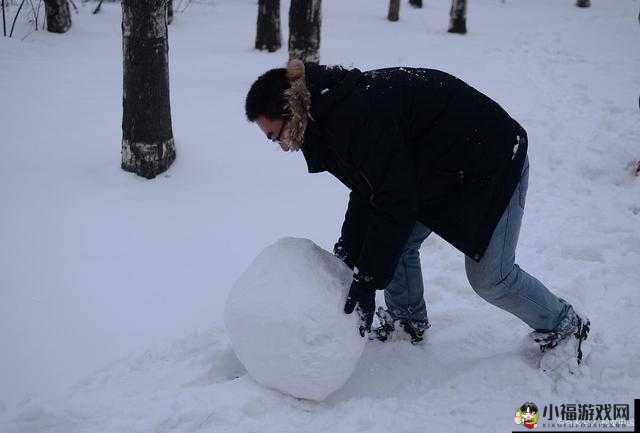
340,251
362,294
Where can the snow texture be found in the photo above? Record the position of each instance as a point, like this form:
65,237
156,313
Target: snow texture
113,287
285,320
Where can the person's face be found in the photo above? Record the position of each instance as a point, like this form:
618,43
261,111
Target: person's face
275,130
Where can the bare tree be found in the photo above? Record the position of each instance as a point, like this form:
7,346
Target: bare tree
583,3
416,3
268,27
4,21
304,30
15,17
458,17
394,10
147,137
58,15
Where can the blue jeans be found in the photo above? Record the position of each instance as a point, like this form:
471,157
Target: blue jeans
496,278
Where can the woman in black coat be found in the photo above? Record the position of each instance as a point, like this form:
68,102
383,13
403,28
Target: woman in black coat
421,152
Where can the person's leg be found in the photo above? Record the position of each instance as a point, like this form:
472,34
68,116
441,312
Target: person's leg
404,295
498,280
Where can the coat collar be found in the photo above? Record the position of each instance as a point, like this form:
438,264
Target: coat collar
328,87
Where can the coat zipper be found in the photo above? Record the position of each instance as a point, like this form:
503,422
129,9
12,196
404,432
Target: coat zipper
371,197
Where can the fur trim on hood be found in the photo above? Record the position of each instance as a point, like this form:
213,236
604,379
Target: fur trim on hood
298,104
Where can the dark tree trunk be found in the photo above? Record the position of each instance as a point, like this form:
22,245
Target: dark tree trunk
416,3
304,30
169,11
458,17
268,27
147,137
394,10
583,3
4,21
58,15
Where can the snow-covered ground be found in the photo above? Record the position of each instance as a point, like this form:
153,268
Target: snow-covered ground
98,264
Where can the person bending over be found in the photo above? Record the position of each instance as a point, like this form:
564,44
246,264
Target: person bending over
421,152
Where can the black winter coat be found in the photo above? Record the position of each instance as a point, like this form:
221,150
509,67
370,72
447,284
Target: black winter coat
411,145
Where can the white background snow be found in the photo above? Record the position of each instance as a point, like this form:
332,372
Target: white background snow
112,287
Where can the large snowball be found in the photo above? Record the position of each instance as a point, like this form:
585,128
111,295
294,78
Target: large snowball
285,320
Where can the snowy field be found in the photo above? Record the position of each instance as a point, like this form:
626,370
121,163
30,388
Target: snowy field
112,287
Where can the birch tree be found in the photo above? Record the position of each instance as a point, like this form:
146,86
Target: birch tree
304,30
394,10
58,15
458,17
268,28
147,137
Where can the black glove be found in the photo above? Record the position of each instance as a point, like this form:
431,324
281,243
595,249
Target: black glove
363,294
340,251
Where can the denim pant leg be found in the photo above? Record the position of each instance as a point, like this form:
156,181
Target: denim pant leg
404,295
498,280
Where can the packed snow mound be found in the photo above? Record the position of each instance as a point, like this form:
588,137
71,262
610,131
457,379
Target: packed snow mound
286,324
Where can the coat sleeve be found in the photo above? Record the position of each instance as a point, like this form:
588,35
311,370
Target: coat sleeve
389,171
354,227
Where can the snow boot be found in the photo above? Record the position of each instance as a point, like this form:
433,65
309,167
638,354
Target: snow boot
386,330
567,346
386,326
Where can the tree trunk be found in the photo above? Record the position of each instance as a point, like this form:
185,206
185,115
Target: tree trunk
147,137
394,10
416,3
4,21
583,3
458,15
268,28
169,11
304,30
58,15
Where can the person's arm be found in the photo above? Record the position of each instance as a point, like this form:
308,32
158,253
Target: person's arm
354,227
388,169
